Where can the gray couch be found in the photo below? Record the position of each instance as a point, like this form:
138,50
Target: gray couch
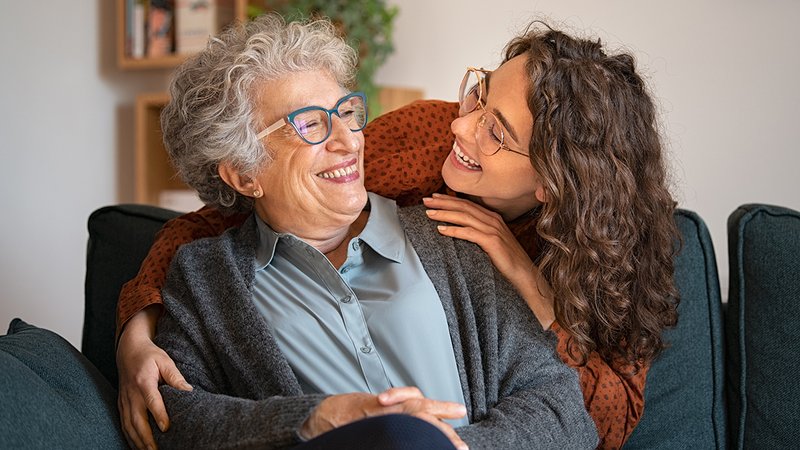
724,381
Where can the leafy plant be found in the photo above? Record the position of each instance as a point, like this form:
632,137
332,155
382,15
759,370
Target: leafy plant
367,26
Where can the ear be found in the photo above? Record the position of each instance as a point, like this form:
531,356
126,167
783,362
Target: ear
243,184
540,194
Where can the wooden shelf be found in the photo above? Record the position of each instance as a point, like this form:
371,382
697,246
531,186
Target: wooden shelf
153,171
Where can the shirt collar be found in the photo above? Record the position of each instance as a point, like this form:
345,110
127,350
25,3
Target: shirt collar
267,241
383,233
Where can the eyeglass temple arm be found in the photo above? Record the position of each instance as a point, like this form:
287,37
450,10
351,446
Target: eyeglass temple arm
272,128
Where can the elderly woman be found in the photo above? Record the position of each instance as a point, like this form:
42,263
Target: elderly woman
329,305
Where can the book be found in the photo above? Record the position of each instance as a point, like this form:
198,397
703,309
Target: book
195,22
138,8
159,28
129,27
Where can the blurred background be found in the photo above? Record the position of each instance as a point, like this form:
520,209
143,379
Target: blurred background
723,72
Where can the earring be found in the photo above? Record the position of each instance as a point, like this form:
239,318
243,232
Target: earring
257,193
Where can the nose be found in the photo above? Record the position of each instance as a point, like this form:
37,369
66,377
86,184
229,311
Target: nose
342,138
464,127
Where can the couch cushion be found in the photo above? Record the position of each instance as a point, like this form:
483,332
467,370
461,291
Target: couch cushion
51,396
119,238
684,401
762,324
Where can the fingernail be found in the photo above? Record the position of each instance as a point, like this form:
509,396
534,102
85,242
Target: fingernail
425,199
441,227
187,386
437,195
162,426
430,212
462,447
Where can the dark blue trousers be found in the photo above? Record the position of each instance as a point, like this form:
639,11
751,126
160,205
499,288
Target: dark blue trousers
391,432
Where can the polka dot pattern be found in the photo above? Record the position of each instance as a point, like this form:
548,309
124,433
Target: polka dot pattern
404,151
613,397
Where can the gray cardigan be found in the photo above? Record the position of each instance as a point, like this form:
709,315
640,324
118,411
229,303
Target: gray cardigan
517,392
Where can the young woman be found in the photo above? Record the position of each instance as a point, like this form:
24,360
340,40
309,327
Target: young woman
561,179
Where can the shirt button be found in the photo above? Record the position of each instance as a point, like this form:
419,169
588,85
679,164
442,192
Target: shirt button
355,246
346,269
366,349
347,299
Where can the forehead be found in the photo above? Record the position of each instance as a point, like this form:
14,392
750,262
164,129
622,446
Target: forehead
277,98
510,77
507,95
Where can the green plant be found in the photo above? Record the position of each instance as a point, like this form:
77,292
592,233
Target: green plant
367,26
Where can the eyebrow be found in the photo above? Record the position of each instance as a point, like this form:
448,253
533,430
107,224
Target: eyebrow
506,124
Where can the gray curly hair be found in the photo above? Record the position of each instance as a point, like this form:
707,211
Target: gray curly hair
210,117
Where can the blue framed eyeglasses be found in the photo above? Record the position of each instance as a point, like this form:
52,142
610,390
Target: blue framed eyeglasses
313,123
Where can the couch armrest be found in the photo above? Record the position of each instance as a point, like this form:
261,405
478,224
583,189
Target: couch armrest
763,321
119,239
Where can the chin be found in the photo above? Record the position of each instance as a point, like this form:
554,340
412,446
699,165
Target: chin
355,202
453,180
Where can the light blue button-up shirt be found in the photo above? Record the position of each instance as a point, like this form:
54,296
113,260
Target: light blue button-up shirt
375,323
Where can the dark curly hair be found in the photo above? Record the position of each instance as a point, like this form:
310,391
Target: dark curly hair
607,236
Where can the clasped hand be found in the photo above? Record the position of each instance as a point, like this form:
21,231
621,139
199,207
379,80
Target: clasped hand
338,410
141,365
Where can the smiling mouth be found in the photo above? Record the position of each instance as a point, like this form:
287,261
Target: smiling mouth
339,173
465,160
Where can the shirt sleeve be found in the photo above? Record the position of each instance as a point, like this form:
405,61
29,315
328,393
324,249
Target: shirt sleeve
405,148
613,396
145,289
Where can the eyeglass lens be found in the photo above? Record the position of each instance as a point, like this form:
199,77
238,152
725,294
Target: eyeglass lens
470,93
489,134
314,124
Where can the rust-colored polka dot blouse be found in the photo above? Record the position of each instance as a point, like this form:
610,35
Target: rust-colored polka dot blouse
403,158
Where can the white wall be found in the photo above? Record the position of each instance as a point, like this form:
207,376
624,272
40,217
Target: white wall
66,127
724,73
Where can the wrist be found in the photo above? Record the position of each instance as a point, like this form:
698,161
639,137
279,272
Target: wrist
310,427
536,293
142,325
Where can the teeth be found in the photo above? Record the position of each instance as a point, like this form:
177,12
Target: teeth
469,162
338,173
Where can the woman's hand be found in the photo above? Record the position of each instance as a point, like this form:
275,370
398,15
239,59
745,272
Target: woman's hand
474,223
141,365
338,410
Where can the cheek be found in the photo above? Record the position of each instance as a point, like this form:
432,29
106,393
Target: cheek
287,170
516,176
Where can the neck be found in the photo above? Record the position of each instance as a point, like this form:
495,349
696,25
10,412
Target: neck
510,211
337,251
324,230
328,236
